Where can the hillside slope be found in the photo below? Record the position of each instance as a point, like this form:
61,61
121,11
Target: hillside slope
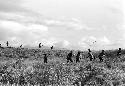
30,69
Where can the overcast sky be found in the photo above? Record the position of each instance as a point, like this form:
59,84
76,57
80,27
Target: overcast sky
72,24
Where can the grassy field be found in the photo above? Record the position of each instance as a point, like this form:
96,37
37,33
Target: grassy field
25,67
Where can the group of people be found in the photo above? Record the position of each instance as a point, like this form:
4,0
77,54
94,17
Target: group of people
42,45
90,55
7,44
70,54
69,57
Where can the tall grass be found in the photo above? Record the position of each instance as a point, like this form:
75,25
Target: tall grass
21,67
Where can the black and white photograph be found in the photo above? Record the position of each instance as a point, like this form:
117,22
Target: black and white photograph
62,42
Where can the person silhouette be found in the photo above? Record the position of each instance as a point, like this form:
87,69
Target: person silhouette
45,58
101,55
119,52
1,46
78,57
21,46
90,55
69,57
39,45
51,47
7,43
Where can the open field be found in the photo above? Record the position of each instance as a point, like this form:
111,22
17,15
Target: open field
25,67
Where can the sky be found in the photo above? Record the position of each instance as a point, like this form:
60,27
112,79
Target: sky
72,24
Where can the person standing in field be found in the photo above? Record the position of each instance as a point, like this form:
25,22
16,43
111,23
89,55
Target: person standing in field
45,58
7,43
69,57
119,52
101,55
21,46
51,47
39,45
90,55
78,57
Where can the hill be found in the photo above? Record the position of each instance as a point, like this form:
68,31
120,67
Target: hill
24,66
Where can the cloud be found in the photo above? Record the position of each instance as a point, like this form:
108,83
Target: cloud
12,31
115,6
14,10
121,40
52,41
88,40
104,41
11,5
49,41
22,26
18,24
94,42
72,24
62,44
